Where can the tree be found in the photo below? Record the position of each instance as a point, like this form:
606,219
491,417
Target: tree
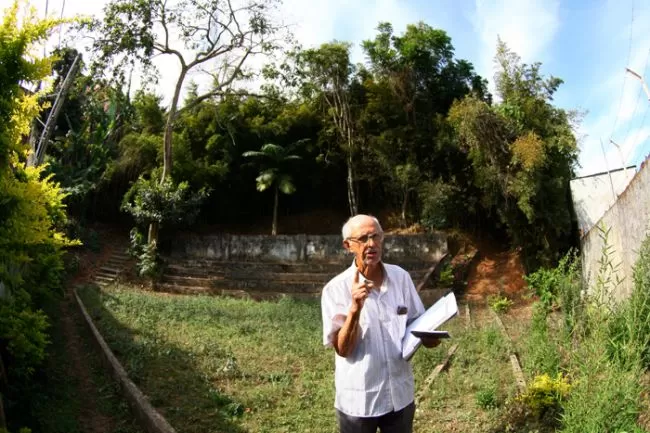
215,36
274,175
328,72
522,153
413,81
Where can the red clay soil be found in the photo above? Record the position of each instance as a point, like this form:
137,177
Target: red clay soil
89,261
496,273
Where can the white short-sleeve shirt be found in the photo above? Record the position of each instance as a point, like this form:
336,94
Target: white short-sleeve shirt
374,379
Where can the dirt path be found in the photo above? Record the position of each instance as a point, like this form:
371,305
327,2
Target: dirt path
83,358
91,418
497,273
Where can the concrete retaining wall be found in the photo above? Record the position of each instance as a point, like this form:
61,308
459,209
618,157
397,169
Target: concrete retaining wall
628,223
296,248
148,417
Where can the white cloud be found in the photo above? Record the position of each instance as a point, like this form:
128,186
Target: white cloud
528,27
315,23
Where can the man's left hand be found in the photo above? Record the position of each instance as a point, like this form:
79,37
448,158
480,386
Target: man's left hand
430,342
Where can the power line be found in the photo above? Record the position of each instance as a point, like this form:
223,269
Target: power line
627,63
636,105
645,89
61,27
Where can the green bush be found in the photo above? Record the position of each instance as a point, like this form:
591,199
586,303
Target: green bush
556,287
440,204
150,200
498,303
546,392
487,398
148,262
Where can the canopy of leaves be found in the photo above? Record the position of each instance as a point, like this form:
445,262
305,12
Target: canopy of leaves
32,214
413,130
150,200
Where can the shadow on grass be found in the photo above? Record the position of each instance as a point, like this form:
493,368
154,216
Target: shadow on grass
62,399
165,373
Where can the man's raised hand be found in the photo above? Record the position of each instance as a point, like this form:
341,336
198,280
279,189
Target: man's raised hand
360,291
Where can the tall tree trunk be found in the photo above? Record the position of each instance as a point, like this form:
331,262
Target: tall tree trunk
3,386
169,127
167,147
404,204
152,235
274,226
352,197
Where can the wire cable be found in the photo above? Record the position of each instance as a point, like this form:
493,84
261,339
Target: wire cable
627,62
636,105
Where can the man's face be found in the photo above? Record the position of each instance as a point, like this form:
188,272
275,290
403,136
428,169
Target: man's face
365,242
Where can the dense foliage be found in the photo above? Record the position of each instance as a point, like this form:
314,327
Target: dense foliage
32,213
412,134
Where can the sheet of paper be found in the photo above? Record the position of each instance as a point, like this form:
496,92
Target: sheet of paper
435,316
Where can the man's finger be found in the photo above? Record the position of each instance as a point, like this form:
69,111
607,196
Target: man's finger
356,276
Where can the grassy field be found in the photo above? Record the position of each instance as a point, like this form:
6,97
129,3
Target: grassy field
220,364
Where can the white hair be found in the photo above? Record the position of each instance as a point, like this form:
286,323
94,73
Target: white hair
346,231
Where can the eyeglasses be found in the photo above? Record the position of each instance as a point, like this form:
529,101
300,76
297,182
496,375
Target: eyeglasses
377,237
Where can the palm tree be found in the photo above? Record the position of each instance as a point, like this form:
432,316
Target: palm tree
273,158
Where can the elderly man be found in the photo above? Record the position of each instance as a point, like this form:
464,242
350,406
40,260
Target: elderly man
365,312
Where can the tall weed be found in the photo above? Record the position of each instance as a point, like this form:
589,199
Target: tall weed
602,346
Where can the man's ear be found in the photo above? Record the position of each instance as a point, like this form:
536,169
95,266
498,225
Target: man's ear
346,245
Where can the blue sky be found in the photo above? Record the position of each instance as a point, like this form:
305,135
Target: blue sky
587,43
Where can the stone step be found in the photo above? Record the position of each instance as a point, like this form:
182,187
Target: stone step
106,275
110,270
181,270
280,276
236,293
104,278
201,279
119,260
269,286
215,286
190,281
212,267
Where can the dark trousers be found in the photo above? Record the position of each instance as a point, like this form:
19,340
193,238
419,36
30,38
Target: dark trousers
392,422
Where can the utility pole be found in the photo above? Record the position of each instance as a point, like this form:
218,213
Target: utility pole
620,154
38,150
640,78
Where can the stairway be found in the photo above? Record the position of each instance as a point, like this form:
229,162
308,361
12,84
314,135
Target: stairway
110,270
257,280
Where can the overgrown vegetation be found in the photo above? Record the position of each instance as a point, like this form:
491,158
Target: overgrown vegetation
32,214
412,132
594,344
583,360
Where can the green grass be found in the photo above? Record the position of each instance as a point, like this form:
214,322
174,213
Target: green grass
471,393
220,364
53,402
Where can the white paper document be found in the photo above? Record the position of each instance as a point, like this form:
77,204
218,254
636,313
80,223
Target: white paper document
436,315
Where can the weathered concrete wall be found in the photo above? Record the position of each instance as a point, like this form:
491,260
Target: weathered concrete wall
593,195
294,248
628,222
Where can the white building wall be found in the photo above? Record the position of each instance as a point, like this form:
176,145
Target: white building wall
594,195
628,223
